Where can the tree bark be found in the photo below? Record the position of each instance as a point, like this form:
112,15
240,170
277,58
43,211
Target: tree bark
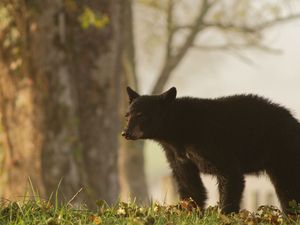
71,115
96,68
56,98
132,172
20,138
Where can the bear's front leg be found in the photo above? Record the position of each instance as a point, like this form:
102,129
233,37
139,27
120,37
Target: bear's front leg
230,189
188,179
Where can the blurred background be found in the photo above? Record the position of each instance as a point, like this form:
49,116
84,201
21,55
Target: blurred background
64,66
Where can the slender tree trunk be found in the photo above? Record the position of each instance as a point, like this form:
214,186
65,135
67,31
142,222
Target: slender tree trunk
60,114
132,171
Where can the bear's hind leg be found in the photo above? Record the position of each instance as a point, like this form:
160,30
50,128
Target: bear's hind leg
287,187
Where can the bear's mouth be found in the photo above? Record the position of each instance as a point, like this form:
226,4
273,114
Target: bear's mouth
132,135
128,136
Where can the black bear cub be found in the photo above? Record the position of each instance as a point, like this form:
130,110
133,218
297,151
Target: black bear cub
228,137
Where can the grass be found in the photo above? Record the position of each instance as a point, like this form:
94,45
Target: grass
44,212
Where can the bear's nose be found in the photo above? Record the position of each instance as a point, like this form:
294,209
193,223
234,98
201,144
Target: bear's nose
125,134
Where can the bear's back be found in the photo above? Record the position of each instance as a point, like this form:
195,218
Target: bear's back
246,129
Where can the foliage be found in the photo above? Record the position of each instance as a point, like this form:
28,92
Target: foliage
90,18
185,212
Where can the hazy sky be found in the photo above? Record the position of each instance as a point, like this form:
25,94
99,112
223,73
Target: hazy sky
213,74
276,76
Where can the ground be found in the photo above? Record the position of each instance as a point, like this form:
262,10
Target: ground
43,212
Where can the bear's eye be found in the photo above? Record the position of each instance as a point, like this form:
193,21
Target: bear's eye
127,114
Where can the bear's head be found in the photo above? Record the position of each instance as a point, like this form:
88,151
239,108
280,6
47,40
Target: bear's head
146,114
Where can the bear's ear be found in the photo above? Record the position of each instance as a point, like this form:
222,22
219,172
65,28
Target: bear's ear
169,95
132,94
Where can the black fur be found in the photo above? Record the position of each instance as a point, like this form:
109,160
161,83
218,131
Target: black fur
227,137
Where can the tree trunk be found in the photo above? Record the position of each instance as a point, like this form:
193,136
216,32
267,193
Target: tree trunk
132,171
95,64
73,77
56,97
21,138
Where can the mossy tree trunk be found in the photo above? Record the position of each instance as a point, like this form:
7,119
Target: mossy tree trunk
59,100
